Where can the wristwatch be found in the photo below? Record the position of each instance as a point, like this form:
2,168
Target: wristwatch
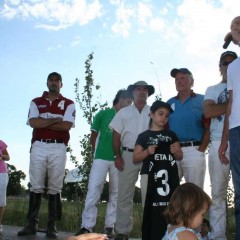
115,156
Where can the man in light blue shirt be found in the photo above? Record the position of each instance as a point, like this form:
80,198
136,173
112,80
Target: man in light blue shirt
192,129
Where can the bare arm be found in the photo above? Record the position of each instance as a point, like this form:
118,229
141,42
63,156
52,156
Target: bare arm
119,163
213,110
61,126
5,155
206,136
187,235
94,135
88,236
56,124
224,142
140,154
43,122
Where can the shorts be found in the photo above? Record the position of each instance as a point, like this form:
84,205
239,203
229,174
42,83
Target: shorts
3,188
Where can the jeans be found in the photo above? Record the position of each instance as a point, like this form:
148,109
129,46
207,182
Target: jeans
234,140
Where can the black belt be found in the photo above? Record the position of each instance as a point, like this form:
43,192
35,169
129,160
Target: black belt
127,149
190,143
50,140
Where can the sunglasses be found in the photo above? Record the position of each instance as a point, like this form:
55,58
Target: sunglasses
226,63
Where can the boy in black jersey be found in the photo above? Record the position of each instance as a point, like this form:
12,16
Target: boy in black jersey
157,148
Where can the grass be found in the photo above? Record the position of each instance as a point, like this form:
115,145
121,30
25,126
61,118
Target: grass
16,211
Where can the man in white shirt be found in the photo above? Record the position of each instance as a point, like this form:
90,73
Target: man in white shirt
126,125
231,130
215,103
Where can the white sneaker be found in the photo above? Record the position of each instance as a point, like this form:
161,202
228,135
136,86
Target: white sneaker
1,230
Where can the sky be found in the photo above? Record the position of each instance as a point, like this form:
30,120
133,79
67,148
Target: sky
131,41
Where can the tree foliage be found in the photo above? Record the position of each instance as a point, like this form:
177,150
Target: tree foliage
15,177
89,108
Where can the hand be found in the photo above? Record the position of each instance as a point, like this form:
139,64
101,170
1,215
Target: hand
88,236
235,36
222,153
175,147
151,149
119,162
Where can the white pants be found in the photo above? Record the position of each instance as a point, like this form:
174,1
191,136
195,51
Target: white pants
100,169
50,159
126,188
193,166
219,177
3,188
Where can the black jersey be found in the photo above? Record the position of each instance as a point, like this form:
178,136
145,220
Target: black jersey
162,181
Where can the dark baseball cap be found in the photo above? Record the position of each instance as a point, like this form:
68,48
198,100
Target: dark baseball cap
160,104
174,71
227,53
55,74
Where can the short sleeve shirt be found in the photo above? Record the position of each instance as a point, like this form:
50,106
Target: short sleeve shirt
219,94
162,181
233,83
129,122
187,117
104,147
61,107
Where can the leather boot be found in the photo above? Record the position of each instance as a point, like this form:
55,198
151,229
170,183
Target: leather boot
33,211
54,213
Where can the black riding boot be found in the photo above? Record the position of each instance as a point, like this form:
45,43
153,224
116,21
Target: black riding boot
33,210
54,213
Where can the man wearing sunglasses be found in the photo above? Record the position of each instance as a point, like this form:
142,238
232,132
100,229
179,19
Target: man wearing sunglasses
215,103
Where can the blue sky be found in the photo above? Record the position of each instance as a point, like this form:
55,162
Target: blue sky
131,40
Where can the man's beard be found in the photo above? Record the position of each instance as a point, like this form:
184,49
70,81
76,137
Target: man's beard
53,89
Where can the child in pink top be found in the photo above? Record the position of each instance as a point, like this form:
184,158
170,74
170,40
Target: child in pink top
4,156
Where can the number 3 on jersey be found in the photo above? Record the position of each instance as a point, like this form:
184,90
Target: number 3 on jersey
163,191
61,104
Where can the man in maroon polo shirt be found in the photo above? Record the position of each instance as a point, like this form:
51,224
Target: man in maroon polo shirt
51,116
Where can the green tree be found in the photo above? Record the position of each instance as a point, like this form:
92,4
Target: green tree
15,177
89,109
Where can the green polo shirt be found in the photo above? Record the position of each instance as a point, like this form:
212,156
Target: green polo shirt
104,147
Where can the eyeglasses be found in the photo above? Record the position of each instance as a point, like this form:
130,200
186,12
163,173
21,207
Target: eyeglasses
226,63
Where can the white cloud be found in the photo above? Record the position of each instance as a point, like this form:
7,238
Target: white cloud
156,24
201,23
53,14
49,49
76,41
123,23
143,13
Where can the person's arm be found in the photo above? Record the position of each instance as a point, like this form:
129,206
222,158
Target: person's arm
119,162
94,135
187,235
88,236
176,150
224,141
140,154
43,122
61,126
206,135
5,155
213,110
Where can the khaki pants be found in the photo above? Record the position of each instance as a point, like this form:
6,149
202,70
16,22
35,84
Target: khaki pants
126,186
